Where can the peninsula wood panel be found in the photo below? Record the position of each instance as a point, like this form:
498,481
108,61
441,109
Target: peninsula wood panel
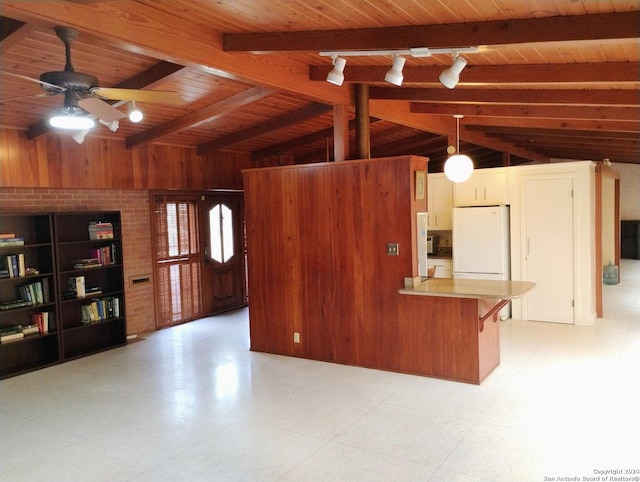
317,238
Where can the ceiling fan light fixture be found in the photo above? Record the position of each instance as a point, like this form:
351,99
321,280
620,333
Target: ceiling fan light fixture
394,76
71,117
135,114
450,77
336,76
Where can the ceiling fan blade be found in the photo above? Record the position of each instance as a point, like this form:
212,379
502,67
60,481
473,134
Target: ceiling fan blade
154,96
100,109
37,81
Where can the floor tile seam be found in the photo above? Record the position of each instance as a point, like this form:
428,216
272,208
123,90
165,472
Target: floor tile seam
305,460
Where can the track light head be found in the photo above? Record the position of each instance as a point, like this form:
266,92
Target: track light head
450,77
336,76
394,76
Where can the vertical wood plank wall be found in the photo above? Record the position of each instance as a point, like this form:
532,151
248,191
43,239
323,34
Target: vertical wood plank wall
54,173
318,265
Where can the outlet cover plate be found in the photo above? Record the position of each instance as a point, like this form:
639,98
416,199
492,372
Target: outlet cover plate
393,249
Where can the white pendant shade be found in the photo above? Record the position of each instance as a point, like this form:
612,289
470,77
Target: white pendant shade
458,168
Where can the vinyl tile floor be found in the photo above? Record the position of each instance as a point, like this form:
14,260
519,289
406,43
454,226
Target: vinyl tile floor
192,403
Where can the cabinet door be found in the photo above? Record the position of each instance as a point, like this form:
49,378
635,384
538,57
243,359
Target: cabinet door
483,188
495,188
443,267
441,198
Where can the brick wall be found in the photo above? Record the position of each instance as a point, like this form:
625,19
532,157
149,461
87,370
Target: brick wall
136,233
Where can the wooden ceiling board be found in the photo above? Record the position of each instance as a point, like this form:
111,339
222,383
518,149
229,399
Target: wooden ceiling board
104,50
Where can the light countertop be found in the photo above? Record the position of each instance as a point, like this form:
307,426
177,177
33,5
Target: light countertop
470,288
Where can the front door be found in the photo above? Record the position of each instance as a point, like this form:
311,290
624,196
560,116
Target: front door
222,231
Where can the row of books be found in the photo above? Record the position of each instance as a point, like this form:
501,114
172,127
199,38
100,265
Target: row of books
10,239
100,230
101,309
36,292
39,325
106,255
30,294
12,266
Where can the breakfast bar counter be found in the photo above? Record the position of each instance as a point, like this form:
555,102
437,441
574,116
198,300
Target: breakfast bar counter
461,335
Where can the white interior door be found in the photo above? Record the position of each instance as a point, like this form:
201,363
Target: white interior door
548,229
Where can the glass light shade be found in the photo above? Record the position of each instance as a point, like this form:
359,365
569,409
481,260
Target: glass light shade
458,168
135,114
71,117
394,76
450,77
336,76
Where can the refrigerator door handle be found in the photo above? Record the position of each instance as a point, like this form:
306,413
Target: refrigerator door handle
528,246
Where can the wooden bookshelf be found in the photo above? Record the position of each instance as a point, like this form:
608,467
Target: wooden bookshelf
44,251
35,248
81,333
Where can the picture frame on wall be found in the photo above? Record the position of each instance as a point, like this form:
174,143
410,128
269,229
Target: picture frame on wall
421,180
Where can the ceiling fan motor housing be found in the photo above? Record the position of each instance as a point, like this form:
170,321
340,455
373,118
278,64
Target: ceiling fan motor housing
81,83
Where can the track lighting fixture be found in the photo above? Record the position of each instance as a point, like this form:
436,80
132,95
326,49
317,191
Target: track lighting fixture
459,167
79,136
113,125
135,114
450,77
336,76
394,76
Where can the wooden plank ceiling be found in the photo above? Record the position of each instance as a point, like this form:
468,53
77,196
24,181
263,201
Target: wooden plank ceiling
551,80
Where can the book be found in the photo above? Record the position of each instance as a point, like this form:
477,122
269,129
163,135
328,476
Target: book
100,230
11,333
9,305
31,329
77,286
15,241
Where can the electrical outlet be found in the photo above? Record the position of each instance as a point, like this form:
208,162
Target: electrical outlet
296,337
393,249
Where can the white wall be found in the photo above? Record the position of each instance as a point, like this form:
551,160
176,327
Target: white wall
629,190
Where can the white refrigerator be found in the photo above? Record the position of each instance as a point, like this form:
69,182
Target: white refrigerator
481,245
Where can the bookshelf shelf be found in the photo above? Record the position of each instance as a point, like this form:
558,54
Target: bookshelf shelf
38,252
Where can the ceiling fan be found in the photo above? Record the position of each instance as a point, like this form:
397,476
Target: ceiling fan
84,99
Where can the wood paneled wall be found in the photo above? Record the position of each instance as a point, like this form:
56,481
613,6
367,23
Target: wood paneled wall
57,161
318,265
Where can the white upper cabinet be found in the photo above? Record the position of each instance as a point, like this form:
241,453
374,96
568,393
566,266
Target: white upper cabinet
439,202
485,187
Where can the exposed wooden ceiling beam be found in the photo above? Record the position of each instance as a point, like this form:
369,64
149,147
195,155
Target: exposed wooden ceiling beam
137,27
511,96
533,132
556,124
596,27
11,31
613,113
533,74
202,116
282,147
275,123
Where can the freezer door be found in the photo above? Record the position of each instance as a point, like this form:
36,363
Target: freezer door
481,240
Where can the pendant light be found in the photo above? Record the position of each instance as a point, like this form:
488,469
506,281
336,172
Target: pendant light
459,167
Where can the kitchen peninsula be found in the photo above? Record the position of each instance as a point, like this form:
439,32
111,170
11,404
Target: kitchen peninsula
328,247
463,317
